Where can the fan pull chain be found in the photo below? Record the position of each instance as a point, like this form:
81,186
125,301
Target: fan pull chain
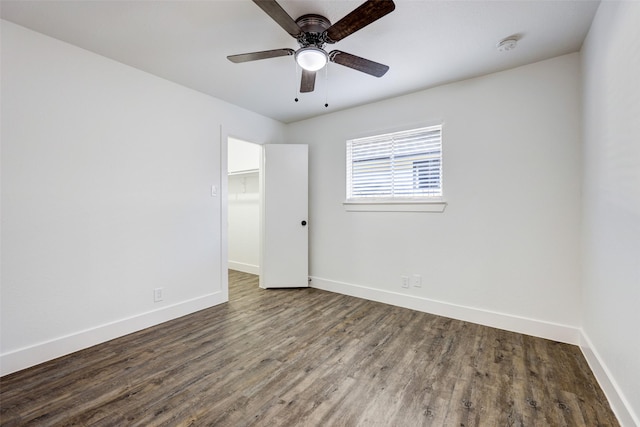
295,80
326,86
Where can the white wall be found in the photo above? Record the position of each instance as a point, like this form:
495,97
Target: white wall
611,208
106,195
244,206
506,250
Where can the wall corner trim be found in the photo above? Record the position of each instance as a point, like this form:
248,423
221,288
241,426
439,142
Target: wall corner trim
26,357
619,404
548,330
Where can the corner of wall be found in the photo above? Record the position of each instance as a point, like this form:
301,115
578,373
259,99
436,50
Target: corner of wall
618,402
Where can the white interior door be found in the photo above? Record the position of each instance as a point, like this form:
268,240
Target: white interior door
285,238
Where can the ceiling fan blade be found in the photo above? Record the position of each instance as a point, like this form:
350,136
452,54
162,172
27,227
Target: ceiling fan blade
265,54
308,81
357,63
278,14
363,15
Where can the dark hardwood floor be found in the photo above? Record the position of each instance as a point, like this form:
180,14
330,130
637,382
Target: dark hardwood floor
305,357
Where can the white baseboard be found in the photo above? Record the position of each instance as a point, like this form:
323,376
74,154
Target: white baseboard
553,331
245,268
538,328
29,356
619,404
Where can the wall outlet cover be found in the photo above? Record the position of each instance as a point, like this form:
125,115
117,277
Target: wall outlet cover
416,280
405,281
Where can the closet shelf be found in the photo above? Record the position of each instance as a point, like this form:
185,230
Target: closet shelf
245,172
243,197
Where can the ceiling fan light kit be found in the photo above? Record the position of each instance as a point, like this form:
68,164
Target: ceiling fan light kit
313,32
311,58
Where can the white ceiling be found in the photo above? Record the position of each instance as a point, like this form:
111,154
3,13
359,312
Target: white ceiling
425,43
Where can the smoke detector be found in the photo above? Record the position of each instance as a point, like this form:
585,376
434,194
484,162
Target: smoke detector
507,44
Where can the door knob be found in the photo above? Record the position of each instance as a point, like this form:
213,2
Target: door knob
303,223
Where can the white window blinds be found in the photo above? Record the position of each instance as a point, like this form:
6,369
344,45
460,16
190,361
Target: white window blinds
405,164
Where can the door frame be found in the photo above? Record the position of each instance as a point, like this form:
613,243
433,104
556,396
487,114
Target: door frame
223,193
250,256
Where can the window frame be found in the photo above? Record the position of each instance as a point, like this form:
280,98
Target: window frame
414,203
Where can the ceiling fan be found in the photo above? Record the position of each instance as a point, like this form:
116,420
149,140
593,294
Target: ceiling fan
314,31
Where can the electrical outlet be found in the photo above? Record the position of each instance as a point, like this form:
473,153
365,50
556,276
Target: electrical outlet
416,279
405,281
158,294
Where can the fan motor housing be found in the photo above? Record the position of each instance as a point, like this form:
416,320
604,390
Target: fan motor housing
313,27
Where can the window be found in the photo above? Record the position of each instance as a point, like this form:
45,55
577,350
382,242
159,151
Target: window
400,167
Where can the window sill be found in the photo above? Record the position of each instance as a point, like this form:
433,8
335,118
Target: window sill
436,206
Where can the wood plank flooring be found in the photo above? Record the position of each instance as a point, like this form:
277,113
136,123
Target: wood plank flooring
306,357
